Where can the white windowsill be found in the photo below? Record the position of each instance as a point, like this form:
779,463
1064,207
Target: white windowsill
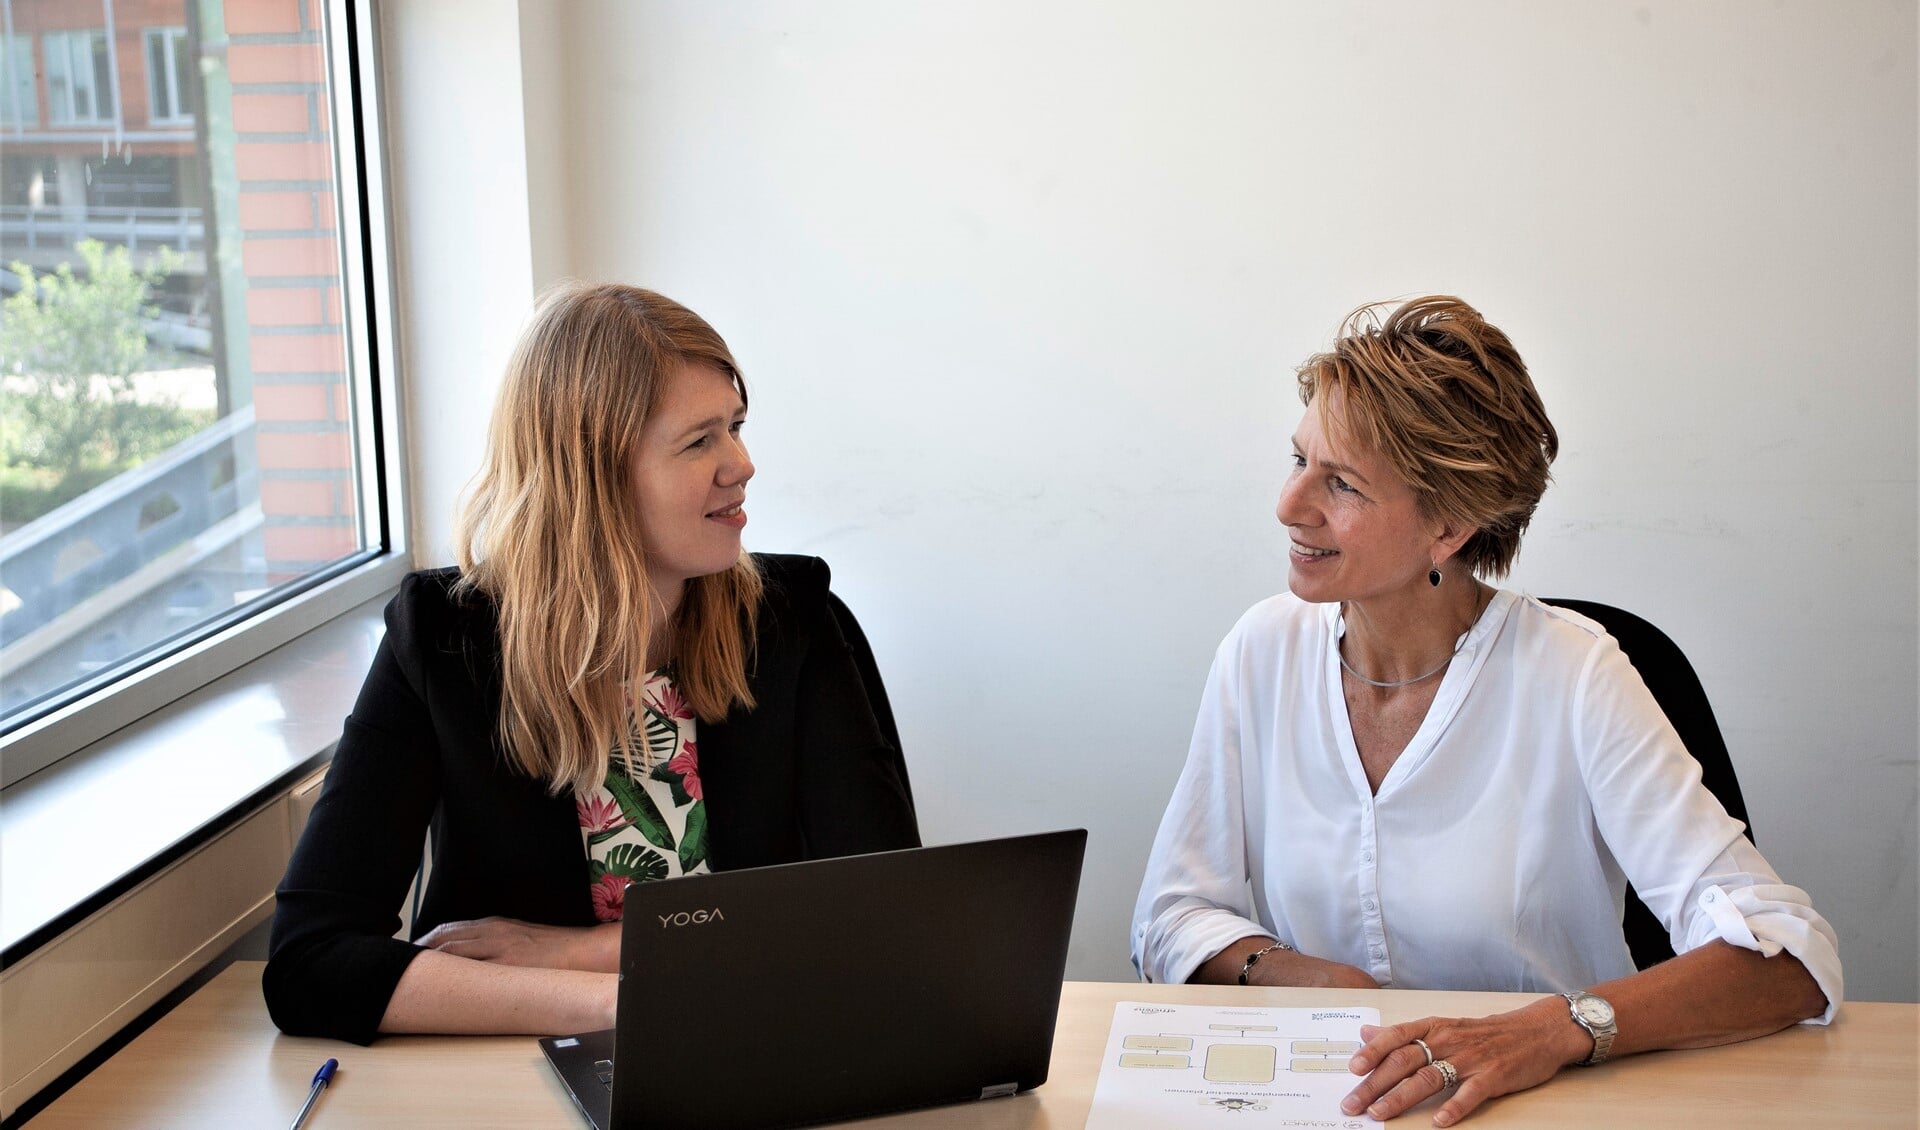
77,834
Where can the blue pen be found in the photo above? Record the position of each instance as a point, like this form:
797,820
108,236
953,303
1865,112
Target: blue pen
320,1080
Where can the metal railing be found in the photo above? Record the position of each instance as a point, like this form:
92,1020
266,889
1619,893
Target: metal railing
83,562
24,225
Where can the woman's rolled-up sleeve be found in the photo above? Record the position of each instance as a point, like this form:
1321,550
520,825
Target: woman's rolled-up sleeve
1194,898
1685,856
1743,903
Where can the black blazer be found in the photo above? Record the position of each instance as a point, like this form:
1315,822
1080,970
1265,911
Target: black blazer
806,774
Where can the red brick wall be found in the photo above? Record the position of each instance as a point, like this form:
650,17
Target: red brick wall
284,156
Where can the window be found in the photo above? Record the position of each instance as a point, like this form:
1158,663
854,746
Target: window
193,463
19,104
79,77
167,71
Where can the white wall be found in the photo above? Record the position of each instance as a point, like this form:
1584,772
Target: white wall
463,255
1019,286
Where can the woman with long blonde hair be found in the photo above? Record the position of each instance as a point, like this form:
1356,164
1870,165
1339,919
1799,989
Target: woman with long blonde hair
606,690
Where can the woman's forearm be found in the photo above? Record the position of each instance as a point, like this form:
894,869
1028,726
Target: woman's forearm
1716,994
1278,967
456,995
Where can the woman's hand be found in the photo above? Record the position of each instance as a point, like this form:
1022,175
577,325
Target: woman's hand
1491,1056
509,941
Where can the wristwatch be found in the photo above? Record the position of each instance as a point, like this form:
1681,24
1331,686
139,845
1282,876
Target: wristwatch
1596,1016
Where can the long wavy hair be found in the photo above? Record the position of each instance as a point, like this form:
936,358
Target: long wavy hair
550,533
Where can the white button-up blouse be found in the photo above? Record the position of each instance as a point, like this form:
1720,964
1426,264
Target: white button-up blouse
1496,854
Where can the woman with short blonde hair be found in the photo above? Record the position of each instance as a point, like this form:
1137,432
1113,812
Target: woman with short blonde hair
606,690
1445,400
1402,776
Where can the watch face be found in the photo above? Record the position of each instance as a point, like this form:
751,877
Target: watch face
1595,1011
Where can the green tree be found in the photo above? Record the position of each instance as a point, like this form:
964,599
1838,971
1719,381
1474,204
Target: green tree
70,344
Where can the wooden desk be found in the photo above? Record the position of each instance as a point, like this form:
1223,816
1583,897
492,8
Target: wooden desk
218,1061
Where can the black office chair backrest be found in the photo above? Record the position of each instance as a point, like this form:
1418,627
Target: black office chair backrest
1664,668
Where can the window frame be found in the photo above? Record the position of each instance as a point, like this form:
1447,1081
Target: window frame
65,113
167,81
150,681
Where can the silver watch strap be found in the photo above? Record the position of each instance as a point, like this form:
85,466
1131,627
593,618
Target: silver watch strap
1602,1037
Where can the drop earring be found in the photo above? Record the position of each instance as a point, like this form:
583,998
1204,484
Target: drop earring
1433,576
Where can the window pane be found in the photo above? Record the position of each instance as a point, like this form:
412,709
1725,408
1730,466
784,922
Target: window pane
79,71
102,78
82,94
59,84
167,63
178,438
180,69
17,95
159,93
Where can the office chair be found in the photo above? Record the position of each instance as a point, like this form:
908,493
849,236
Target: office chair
1677,689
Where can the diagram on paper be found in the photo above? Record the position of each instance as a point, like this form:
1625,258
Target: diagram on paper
1177,1065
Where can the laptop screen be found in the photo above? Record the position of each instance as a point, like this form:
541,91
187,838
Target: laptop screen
832,989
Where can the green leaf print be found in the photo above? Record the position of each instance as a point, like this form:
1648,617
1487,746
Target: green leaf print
676,782
634,862
663,737
693,838
639,809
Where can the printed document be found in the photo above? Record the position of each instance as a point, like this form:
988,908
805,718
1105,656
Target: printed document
1228,1067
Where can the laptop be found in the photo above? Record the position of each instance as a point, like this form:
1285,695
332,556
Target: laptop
833,989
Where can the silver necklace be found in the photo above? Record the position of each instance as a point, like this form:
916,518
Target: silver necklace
1403,682
1386,686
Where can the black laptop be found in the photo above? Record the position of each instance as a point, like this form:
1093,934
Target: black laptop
834,989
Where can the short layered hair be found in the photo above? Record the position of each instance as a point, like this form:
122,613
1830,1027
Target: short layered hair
1445,399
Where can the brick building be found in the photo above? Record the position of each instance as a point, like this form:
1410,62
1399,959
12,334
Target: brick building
203,126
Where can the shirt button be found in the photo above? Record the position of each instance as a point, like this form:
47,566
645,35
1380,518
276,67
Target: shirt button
1368,904
1366,857
1379,953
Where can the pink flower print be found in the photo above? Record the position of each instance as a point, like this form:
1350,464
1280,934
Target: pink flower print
687,764
668,701
610,897
599,812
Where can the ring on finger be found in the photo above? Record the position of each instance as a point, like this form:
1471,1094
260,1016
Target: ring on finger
1449,1076
1425,1048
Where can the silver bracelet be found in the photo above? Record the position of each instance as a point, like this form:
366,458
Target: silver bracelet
1256,955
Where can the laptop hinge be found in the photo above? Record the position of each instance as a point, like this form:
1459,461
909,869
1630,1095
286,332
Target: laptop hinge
999,1090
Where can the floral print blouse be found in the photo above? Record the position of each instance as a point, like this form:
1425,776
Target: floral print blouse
654,826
